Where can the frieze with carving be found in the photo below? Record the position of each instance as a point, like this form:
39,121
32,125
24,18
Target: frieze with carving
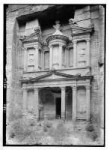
33,37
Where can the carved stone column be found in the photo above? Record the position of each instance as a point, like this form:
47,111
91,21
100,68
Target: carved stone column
74,99
88,101
75,54
88,52
63,102
36,102
36,58
25,59
24,101
51,56
60,56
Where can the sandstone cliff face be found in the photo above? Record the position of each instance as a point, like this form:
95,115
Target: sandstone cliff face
14,66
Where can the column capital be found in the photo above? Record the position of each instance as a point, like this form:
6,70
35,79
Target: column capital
24,87
64,46
24,48
88,87
62,87
74,87
61,44
75,41
50,46
36,88
88,40
30,88
36,46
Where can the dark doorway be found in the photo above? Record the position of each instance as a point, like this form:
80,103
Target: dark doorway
58,107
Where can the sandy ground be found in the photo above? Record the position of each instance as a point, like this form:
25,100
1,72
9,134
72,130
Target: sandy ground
49,132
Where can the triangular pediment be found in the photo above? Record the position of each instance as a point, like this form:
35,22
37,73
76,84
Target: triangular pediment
52,75
55,75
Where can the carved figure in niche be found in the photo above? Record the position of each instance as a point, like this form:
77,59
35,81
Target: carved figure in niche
38,33
57,26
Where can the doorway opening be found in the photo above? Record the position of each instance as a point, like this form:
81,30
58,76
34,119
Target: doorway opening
58,107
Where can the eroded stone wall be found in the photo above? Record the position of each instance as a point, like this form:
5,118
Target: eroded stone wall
14,66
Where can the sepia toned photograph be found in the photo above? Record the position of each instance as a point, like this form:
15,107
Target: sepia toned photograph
54,75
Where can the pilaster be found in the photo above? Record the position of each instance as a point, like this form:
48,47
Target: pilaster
24,101
88,52
36,58
60,56
51,55
25,59
75,53
88,101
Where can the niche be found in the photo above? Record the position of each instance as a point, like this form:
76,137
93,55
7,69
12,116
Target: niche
81,103
81,54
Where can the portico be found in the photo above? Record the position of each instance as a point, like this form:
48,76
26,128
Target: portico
77,85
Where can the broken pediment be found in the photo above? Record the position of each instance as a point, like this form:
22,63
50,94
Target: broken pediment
79,30
33,37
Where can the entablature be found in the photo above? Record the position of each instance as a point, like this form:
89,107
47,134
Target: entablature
56,75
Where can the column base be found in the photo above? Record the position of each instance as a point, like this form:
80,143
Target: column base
74,119
63,116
